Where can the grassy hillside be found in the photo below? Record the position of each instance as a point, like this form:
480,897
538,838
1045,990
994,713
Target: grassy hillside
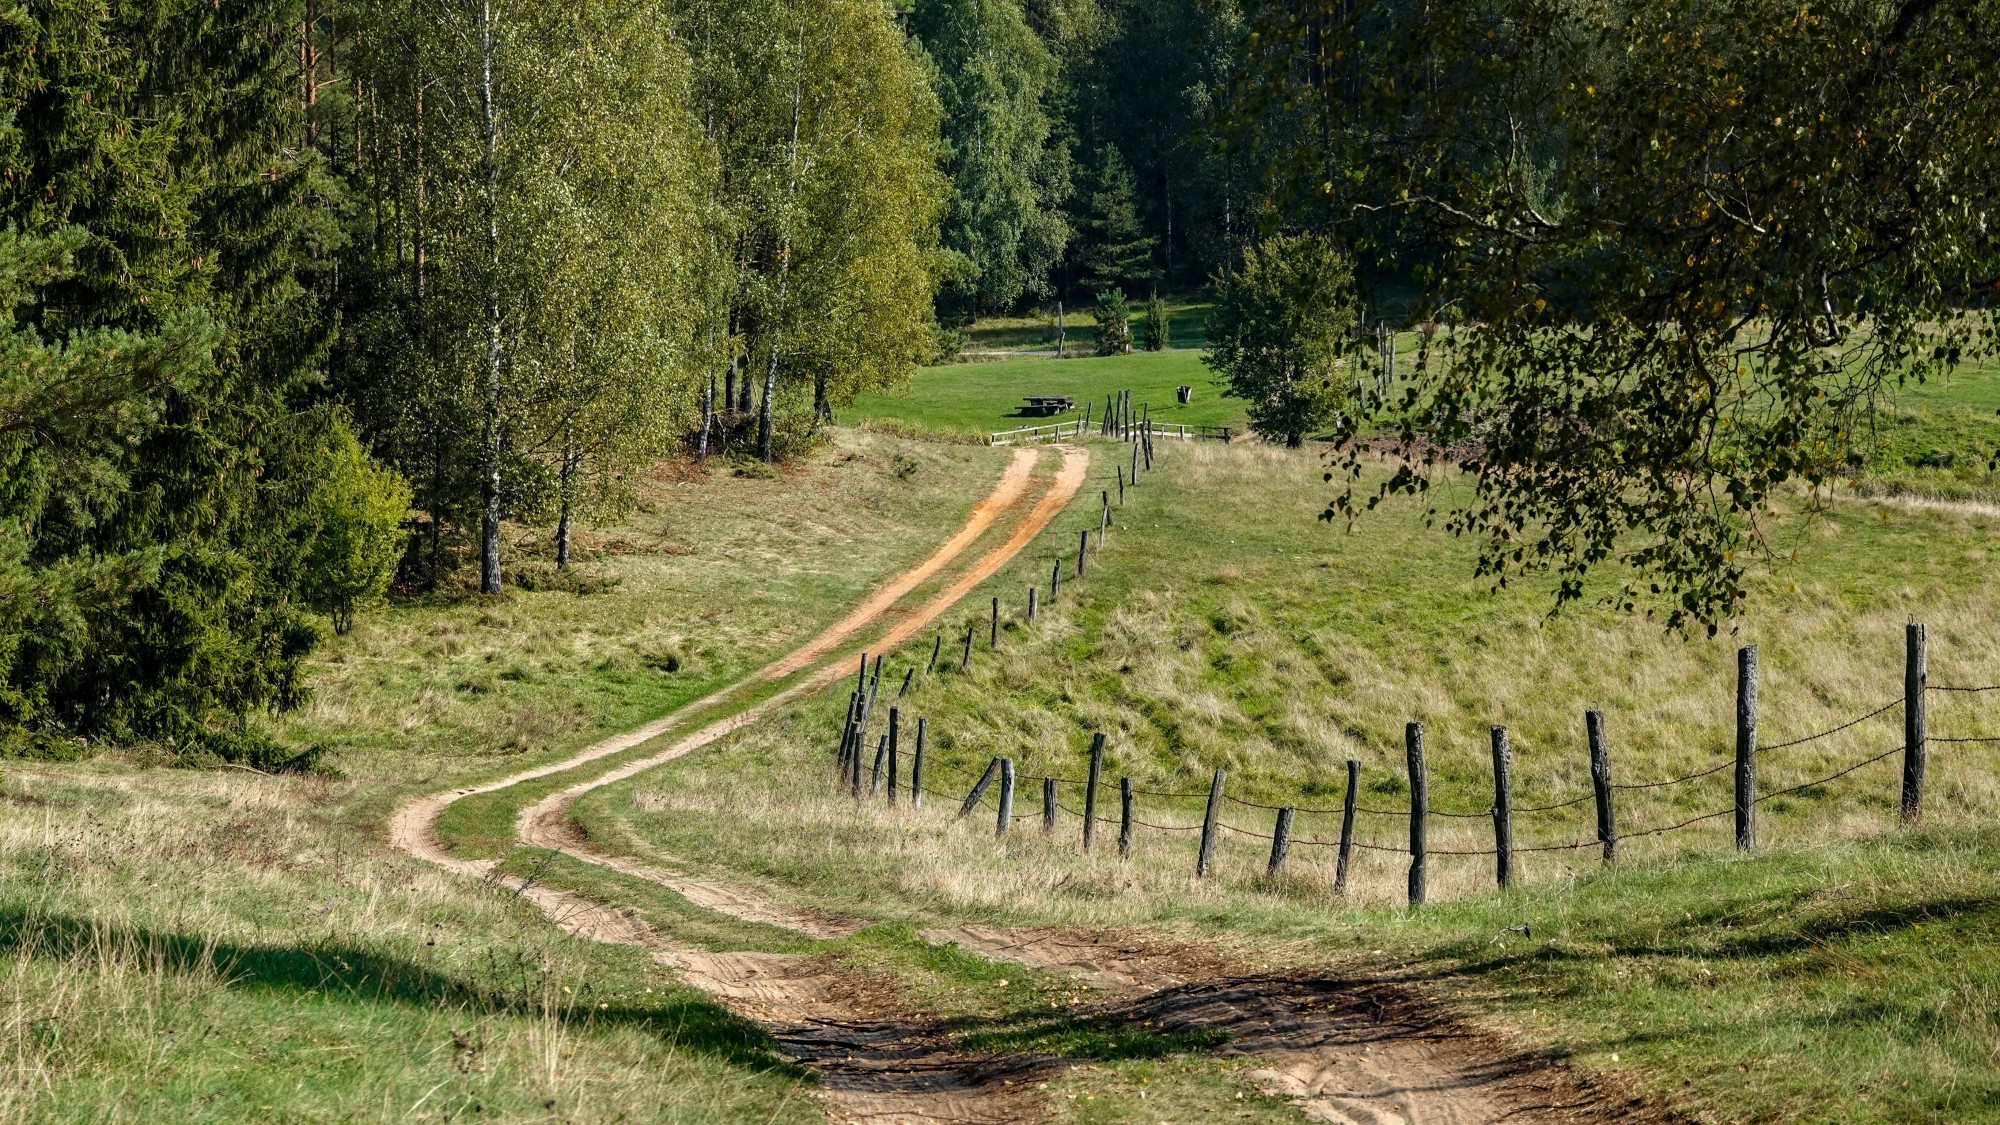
1223,626
221,946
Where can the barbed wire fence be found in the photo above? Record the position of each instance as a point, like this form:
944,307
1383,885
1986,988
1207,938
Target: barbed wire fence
885,776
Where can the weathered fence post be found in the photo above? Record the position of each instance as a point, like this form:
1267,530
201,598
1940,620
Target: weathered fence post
935,650
1082,549
895,735
1746,748
917,766
1420,804
854,763
875,775
1600,784
1055,580
1034,595
1049,804
908,676
1124,817
1121,483
1208,825
1090,789
1916,742
1006,818
1135,464
1347,825
979,788
1503,807
965,660
1281,844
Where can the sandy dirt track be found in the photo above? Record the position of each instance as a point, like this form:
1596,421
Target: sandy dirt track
1348,1051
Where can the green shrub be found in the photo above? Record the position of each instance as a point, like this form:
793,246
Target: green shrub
357,530
1158,328
1114,323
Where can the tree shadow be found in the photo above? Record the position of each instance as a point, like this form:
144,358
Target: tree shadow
684,1018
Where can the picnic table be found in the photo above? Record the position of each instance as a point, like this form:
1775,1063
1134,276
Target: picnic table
1048,404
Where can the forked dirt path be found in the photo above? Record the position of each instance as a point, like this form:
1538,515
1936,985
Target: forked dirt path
880,1062
1344,1050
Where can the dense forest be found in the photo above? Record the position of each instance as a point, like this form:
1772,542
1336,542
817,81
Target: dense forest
303,299
300,300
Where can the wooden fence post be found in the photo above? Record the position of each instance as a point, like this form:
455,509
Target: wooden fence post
1916,741
908,676
965,660
1082,549
1135,463
1055,580
1006,818
1034,594
1503,807
1281,844
1420,805
1049,805
935,650
917,766
1121,483
875,775
994,640
1746,748
1124,817
1208,825
979,788
1090,790
1600,784
861,681
854,762
1347,825
895,735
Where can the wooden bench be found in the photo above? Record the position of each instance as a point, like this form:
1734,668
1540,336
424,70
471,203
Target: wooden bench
1048,404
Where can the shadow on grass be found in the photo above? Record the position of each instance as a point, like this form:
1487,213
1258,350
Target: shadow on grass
685,1019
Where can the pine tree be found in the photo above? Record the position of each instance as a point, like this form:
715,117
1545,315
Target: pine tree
1111,248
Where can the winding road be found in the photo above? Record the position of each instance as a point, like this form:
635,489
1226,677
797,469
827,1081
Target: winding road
1349,1051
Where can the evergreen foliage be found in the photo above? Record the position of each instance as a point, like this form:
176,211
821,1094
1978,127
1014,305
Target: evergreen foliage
1159,330
1114,323
1112,249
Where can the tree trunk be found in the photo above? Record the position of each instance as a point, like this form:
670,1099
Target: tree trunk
489,530
707,418
822,407
764,453
567,489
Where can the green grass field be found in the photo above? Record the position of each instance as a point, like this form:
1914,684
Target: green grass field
1846,972
222,946
975,399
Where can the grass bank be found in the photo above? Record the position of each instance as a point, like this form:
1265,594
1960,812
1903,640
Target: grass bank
1223,626
222,946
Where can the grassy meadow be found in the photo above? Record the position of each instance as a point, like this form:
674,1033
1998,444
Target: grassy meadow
971,400
222,946
1846,971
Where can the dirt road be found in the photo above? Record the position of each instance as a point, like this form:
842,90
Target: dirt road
1355,1052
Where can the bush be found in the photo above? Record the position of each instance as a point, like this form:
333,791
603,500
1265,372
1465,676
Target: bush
357,530
1158,328
1279,328
1114,323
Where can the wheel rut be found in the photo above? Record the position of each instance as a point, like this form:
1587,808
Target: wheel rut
879,1061
1345,1049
